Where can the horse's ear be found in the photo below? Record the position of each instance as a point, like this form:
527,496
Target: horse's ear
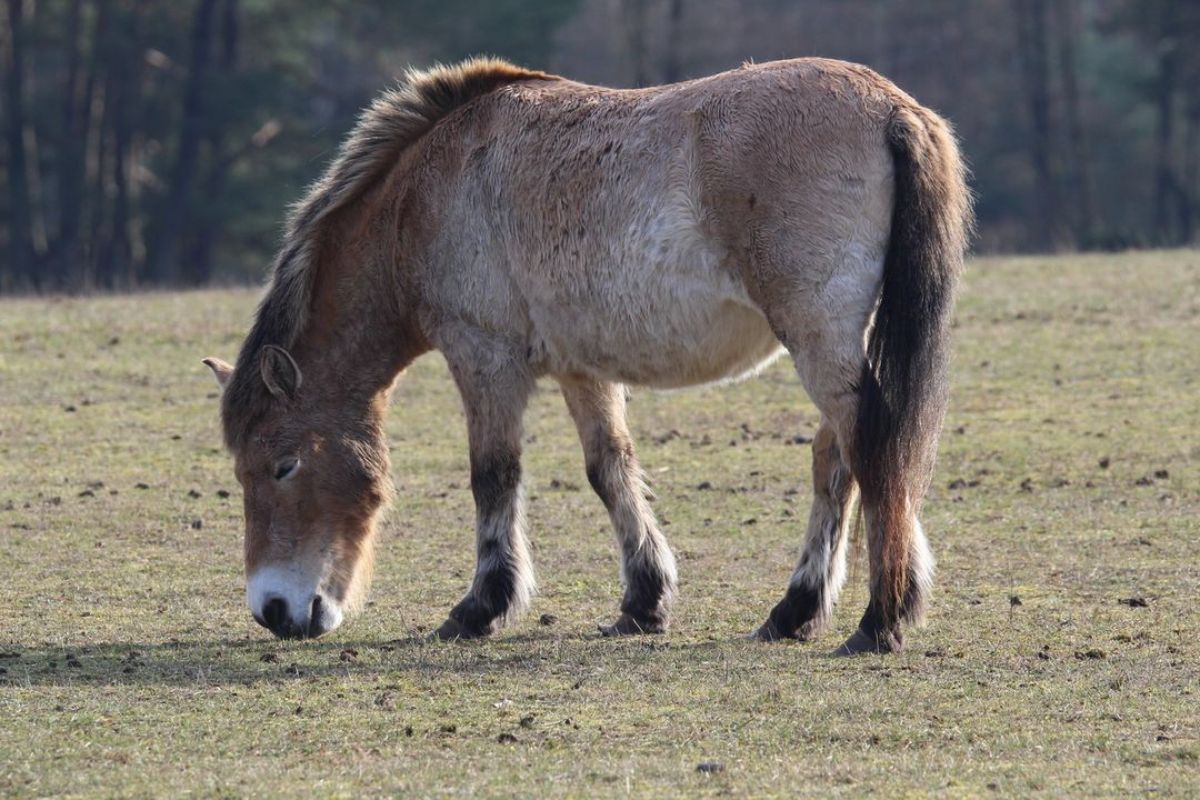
221,371
280,372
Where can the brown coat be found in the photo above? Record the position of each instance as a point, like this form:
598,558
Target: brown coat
526,226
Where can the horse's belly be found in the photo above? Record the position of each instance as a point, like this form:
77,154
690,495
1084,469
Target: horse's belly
684,339
653,306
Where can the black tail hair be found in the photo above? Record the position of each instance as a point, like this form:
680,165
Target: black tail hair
903,389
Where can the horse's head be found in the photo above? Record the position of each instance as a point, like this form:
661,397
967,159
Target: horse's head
313,467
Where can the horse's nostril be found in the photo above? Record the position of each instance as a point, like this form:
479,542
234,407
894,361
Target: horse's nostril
316,624
275,613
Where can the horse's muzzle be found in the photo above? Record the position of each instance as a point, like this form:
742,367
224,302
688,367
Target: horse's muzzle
281,620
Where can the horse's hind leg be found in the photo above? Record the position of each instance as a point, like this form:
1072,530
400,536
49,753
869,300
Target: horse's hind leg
495,387
828,352
823,321
880,629
804,611
647,565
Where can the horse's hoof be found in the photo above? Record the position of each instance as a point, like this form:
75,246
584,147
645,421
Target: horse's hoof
767,632
628,626
452,629
862,642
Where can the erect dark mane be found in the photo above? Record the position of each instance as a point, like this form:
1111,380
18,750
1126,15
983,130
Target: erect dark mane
393,122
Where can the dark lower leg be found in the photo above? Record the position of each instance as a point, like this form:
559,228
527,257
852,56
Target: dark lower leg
503,583
895,598
804,611
646,605
647,565
875,634
503,577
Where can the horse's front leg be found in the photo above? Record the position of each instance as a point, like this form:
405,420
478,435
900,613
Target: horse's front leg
647,565
495,384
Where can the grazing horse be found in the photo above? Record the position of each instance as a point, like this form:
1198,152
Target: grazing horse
525,225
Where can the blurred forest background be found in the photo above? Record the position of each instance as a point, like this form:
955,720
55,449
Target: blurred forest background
156,142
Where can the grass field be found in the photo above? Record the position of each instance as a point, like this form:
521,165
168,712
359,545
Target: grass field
1062,655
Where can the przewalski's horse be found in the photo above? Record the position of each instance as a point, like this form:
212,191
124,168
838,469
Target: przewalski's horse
525,225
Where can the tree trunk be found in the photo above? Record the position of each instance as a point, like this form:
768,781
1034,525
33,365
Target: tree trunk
33,163
20,235
1191,168
633,15
200,264
101,231
1164,96
673,62
164,257
1067,23
122,271
1032,46
70,160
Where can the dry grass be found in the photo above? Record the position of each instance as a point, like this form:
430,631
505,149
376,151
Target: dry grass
1068,480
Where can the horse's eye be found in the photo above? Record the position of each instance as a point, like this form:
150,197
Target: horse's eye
285,468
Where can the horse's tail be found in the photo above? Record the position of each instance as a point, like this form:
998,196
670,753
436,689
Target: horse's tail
903,388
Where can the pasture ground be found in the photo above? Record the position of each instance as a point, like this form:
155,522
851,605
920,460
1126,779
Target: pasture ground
1062,655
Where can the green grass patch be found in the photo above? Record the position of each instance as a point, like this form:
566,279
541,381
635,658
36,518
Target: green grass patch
1067,484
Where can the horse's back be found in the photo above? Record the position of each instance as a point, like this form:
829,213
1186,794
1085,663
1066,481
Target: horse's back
632,224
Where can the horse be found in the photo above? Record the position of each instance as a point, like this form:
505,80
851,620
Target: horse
529,226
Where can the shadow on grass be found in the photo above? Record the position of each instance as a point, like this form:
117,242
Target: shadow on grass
243,662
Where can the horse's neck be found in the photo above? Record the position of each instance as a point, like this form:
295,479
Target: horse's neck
359,335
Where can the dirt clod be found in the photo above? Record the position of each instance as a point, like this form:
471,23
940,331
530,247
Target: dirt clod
667,437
